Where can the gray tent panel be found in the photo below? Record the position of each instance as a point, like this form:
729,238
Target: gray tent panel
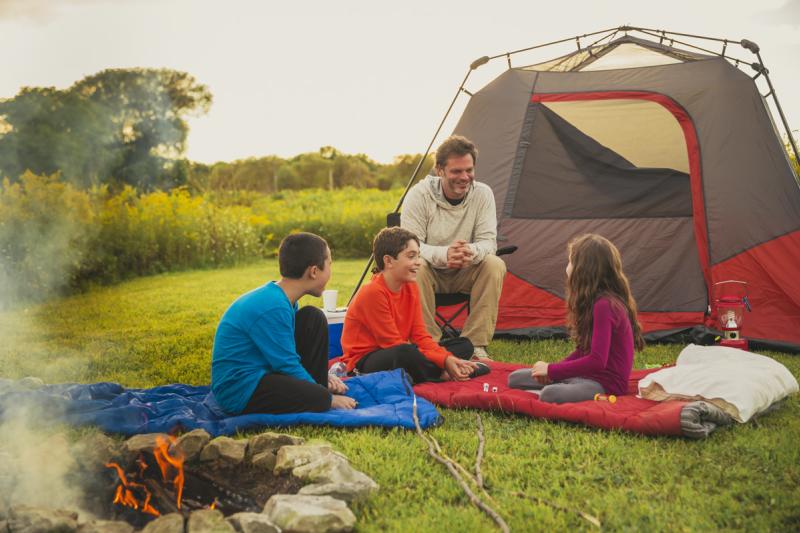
658,254
569,175
493,120
732,165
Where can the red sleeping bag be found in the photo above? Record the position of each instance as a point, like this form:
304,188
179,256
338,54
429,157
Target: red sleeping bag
628,412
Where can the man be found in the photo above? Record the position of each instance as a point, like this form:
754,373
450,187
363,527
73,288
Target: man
455,220
270,357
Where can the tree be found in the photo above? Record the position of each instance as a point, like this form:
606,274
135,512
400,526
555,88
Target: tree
119,126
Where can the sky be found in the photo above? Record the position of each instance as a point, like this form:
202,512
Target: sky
362,75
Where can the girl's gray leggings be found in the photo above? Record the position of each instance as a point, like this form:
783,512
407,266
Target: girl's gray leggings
567,391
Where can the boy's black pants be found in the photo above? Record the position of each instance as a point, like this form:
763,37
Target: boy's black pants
277,393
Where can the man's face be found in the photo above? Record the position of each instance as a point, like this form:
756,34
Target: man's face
457,176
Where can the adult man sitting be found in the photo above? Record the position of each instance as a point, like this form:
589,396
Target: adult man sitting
455,219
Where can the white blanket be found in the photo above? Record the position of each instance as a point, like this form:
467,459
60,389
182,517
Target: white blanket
740,383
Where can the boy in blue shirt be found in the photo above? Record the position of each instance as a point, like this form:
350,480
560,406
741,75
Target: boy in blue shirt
270,357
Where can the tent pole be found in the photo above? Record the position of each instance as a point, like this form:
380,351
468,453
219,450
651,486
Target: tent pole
785,122
504,54
475,64
689,45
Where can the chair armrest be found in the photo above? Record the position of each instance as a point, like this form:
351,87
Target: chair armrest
505,250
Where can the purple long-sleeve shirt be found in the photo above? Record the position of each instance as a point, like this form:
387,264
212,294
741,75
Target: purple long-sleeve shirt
610,358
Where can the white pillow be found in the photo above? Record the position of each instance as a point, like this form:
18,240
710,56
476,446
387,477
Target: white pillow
739,382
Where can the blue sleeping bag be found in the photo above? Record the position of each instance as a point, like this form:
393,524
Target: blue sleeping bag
384,399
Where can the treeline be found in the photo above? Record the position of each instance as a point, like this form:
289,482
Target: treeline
117,127
326,169
127,127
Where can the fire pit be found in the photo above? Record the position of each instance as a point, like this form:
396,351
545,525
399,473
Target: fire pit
160,483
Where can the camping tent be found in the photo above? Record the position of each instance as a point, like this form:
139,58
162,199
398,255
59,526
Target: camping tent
668,152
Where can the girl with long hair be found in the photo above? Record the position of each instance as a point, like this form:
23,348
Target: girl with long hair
601,317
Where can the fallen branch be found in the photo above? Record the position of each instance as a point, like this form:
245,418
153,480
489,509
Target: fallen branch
436,452
586,516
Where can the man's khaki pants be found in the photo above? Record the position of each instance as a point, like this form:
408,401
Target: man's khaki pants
483,282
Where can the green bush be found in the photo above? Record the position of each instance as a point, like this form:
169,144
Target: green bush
54,237
155,232
45,226
347,218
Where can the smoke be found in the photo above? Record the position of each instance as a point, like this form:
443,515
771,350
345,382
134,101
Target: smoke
38,467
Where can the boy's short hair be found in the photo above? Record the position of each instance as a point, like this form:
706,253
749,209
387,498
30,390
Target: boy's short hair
455,146
390,241
299,251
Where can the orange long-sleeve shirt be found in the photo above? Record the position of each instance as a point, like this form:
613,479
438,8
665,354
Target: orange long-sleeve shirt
379,318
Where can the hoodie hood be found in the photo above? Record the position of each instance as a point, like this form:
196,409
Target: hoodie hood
432,186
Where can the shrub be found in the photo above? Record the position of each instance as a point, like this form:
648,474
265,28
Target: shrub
45,228
54,237
155,232
347,218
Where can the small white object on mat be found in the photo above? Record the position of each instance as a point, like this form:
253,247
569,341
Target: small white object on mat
740,383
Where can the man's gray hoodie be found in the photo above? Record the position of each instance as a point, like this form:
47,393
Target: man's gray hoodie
437,223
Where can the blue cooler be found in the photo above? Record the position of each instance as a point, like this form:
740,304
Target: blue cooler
335,325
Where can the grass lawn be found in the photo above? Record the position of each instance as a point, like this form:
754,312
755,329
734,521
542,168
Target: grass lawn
157,330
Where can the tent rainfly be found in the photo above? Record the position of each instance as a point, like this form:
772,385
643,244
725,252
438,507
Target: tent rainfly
667,149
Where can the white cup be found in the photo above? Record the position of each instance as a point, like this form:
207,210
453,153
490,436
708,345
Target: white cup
329,299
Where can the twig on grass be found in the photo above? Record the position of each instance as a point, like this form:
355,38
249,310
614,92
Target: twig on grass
479,455
586,516
436,452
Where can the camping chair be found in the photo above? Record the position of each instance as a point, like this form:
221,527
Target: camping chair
449,299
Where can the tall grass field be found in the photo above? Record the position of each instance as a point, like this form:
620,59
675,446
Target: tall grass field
540,474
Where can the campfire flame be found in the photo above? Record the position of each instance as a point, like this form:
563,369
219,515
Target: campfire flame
166,463
125,496
171,467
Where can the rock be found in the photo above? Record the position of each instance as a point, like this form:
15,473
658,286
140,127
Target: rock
208,521
105,526
28,519
270,441
309,514
265,460
96,449
191,444
143,443
225,449
290,457
252,523
331,468
168,523
30,382
349,492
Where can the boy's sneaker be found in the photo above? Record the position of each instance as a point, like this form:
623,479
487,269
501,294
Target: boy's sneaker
481,369
480,353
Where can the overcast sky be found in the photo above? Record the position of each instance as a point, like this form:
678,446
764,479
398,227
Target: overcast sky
364,76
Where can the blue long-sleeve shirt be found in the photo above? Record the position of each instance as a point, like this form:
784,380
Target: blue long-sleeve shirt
255,337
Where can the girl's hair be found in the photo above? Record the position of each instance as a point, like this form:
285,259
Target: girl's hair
596,272
390,241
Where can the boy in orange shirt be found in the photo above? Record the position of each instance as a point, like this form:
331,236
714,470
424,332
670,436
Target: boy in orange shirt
384,329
